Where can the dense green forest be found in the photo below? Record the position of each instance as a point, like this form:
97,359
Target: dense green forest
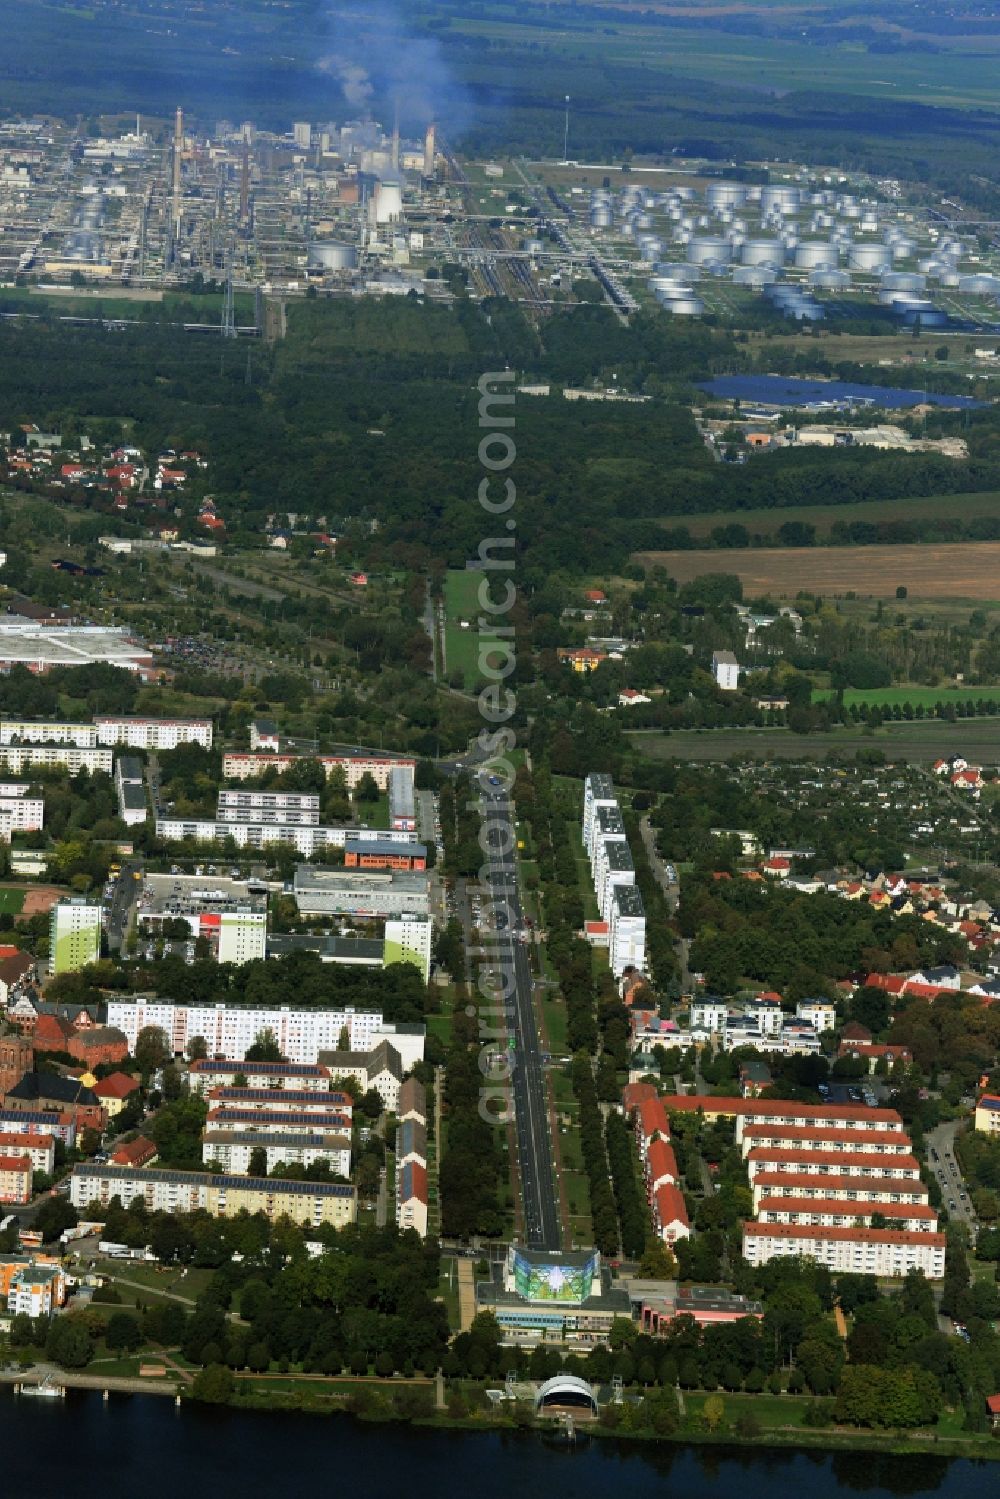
370,411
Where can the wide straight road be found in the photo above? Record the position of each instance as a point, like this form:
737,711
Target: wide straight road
531,1119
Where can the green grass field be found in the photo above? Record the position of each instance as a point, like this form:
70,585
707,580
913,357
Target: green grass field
462,646
915,742
917,697
11,900
766,522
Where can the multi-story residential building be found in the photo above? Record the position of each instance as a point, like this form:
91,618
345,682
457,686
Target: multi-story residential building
247,767
153,733
287,807
818,1013
627,934
19,812
279,1077
36,1289
41,731
411,1198
726,671
988,1114
409,941
861,1251
412,1102
242,933
613,865
380,1069
411,1143
598,791
862,1165
74,935
709,1015
230,1030
268,1099
237,1121
36,1122
264,736
308,1203
670,1215
230,1152
40,1150
72,758
815,1187
15,1178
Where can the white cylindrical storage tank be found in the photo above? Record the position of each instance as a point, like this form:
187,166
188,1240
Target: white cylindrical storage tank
871,256
780,198
928,315
830,280
677,271
949,277
815,254
903,281
686,306
650,248
755,275
600,216
725,194
534,246
980,284
763,252
705,247
331,255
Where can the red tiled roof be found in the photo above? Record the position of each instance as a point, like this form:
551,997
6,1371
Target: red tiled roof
670,1205
887,1139
993,1404
653,1118
764,1109
15,1163
418,1179
116,1085
836,1186
661,1161
862,1235
844,1208
868,1160
633,1094
134,1153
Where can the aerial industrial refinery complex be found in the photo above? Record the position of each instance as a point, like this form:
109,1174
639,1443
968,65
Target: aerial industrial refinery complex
351,208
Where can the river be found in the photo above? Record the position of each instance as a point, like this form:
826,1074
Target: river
141,1447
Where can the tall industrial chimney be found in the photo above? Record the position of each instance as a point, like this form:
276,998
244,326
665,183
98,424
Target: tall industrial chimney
245,185
178,148
395,138
429,151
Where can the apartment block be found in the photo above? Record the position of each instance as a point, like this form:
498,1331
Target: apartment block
153,733
307,1203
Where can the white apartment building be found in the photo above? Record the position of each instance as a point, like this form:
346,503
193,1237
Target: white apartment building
231,1152
40,731
598,791
818,1013
863,1251
153,733
408,940
19,813
73,758
709,1015
861,1165
268,806
242,934
305,839
229,1031
243,766
726,671
606,827
40,1149
835,1116
627,934
273,1077
613,866
812,1187
809,1137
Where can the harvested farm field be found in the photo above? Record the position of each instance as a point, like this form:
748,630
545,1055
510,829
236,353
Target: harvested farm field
954,570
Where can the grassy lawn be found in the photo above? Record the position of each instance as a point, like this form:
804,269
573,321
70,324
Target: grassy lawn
462,646
128,1367
766,521
11,899
917,697
188,1284
448,1292
772,1411
554,1016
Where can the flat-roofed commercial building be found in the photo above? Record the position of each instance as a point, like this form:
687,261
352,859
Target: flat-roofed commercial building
402,808
41,647
383,853
321,891
307,1203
